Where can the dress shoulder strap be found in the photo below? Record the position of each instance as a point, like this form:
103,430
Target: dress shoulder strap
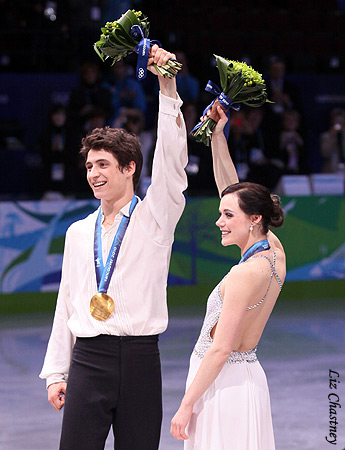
273,268
273,272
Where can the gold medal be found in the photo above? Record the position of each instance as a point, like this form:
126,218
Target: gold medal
101,306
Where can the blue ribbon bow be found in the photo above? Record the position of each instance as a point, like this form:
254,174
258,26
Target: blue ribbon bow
143,50
224,101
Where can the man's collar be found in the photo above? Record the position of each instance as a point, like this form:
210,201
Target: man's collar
124,211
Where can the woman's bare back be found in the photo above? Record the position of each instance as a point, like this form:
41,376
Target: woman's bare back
268,288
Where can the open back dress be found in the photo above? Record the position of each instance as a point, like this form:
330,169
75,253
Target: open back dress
235,412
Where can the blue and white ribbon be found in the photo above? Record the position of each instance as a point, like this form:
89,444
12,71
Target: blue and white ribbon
224,101
142,49
255,248
104,273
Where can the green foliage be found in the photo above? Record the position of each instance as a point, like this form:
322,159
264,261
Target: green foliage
116,41
241,84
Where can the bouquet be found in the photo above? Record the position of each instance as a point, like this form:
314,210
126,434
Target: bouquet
240,84
127,35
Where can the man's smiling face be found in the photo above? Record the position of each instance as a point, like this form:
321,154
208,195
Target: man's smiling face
104,175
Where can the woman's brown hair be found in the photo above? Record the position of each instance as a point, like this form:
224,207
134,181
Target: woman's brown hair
254,199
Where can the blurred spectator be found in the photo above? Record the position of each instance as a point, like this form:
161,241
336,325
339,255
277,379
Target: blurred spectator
267,167
281,91
133,120
89,94
187,84
199,169
57,160
333,143
12,133
285,96
238,142
256,144
125,89
96,118
291,143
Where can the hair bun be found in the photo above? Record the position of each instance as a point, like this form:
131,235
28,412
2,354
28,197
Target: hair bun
277,214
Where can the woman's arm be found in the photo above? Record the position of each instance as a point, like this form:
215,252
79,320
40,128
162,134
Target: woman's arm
236,300
223,168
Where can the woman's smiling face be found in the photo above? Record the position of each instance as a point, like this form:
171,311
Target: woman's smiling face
233,222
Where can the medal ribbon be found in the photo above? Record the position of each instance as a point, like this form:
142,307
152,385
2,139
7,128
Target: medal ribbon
104,273
255,248
224,101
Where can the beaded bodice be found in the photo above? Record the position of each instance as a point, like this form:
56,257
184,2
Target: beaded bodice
214,307
213,310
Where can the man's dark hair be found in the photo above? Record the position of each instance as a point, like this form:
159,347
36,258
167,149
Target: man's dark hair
124,146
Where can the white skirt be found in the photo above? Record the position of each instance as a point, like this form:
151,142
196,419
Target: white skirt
235,411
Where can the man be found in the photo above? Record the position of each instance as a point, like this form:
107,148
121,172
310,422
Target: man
108,347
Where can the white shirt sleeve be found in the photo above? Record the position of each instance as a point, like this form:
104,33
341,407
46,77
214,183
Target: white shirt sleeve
164,201
157,216
59,352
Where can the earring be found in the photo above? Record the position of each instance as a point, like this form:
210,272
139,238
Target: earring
251,227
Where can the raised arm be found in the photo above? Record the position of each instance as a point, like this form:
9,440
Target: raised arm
160,57
223,166
164,201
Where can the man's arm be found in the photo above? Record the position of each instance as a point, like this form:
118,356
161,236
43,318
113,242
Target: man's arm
160,57
223,167
164,201
59,351
167,86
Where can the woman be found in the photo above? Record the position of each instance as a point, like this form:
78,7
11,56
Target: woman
226,404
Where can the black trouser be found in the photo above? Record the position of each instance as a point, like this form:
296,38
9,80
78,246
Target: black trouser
113,381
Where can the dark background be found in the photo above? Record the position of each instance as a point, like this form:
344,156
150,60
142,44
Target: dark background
40,58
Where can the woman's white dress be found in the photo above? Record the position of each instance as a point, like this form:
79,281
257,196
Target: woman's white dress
234,413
